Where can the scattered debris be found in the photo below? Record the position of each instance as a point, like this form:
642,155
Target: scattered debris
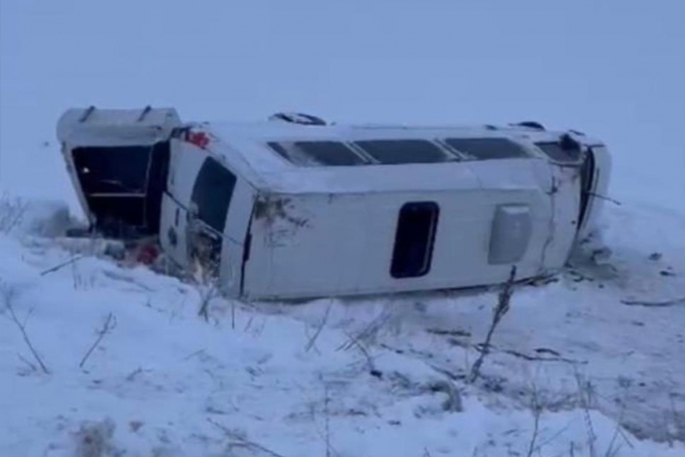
655,304
453,402
441,332
94,439
545,359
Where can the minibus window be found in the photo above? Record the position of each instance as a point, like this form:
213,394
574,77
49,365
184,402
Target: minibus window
486,148
414,239
212,193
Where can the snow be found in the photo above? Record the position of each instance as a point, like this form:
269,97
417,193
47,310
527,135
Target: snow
168,383
164,382
631,354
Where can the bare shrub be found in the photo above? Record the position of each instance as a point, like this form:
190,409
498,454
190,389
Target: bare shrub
12,212
207,292
8,295
500,310
204,274
238,439
312,341
536,408
109,325
677,419
71,260
656,304
368,334
327,417
586,395
453,402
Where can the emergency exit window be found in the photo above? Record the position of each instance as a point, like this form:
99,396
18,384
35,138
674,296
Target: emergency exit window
414,239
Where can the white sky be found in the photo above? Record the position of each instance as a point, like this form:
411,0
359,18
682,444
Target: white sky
615,69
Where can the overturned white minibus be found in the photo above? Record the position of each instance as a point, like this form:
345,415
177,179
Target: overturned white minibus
293,208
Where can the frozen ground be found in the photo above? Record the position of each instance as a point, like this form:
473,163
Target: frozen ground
587,323
166,383
331,377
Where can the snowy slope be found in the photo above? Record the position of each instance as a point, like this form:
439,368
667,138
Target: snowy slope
592,321
331,377
164,382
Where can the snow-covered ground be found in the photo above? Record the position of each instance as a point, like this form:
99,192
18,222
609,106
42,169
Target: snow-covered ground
340,377
347,377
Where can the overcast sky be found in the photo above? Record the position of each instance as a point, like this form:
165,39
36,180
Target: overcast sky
615,69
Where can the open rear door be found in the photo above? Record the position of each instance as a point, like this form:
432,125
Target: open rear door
118,162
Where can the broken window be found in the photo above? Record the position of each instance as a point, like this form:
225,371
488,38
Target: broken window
587,172
210,201
561,152
212,194
414,239
109,170
317,153
123,186
392,152
487,148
